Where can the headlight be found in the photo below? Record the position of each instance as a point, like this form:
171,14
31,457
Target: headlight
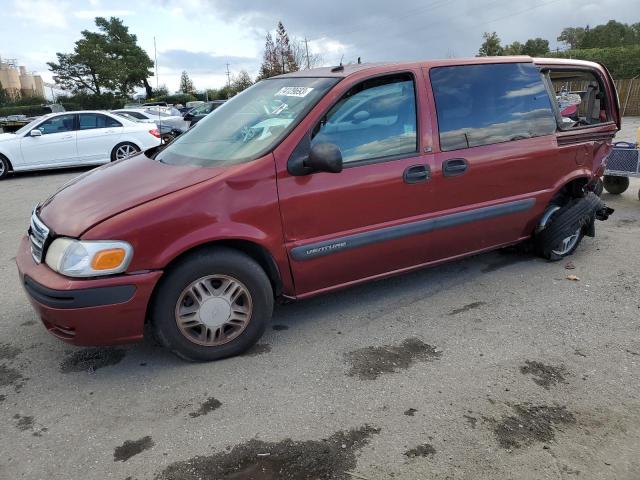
77,258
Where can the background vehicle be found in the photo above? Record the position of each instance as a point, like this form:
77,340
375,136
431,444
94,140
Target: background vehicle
198,113
318,180
72,139
159,115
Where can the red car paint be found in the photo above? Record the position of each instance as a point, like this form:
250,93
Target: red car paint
164,211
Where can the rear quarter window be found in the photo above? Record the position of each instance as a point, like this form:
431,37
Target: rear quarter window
494,103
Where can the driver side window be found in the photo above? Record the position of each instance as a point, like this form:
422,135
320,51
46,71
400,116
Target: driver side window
59,124
375,119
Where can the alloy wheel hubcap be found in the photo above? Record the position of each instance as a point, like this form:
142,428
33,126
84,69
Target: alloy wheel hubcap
125,151
568,243
213,310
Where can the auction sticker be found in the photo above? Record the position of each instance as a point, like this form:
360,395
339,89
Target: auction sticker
293,92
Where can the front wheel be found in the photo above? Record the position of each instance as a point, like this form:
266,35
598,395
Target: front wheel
123,150
4,167
212,305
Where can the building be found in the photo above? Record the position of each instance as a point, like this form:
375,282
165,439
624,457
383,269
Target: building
17,82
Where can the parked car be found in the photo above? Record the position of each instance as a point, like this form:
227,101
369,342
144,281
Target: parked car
196,114
158,115
313,181
73,139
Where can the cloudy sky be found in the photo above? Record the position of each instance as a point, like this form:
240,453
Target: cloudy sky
202,36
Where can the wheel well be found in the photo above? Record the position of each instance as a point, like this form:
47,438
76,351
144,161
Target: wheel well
258,253
573,189
8,161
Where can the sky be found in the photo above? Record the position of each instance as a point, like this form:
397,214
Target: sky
202,36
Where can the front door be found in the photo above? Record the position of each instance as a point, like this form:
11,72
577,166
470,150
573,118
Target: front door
364,221
97,135
56,146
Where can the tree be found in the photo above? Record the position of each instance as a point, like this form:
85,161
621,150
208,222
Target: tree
107,60
302,56
514,48
491,45
240,82
535,47
186,85
278,57
572,36
267,69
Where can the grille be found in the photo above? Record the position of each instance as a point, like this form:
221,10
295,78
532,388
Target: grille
38,234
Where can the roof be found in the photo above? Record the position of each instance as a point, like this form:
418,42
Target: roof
350,69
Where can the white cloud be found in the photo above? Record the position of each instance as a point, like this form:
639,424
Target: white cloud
47,13
102,13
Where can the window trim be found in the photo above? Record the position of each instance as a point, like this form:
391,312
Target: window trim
545,69
386,158
435,104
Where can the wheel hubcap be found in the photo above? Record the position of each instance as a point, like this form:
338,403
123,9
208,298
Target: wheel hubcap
568,243
213,310
125,151
1,167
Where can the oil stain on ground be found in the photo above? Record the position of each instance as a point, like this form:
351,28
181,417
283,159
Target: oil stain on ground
544,375
258,349
279,328
329,458
11,377
90,359
131,448
8,351
207,406
466,308
423,450
23,422
530,424
370,362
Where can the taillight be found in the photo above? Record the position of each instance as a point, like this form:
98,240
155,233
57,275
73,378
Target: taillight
155,133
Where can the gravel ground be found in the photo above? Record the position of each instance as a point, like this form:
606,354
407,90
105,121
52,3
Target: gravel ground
496,366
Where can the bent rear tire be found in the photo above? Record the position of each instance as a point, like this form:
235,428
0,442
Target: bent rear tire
212,305
567,228
615,185
123,150
5,167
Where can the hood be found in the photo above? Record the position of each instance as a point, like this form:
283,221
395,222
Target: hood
113,188
7,136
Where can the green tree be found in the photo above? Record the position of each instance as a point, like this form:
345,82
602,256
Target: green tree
107,60
186,85
491,45
240,82
514,48
535,47
279,57
572,36
611,34
269,63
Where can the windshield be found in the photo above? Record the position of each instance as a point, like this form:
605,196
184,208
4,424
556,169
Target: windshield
248,125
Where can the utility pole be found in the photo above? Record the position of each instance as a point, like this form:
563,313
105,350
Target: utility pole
228,76
306,47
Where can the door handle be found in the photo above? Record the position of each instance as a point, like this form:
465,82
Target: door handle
416,174
67,138
454,167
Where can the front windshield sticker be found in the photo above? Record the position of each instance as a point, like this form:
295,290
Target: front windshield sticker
293,92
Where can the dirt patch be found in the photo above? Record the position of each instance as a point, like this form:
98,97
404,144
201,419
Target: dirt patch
258,349
131,448
466,308
28,323
471,420
2,398
530,424
209,405
329,458
279,328
410,412
370,362
11,376
23,422
8,351
544,375
423,450
91,359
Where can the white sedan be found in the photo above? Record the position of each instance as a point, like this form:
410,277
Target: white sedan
70,139
168,116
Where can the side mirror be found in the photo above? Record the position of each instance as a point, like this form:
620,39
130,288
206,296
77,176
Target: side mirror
360,116
324,157
35,133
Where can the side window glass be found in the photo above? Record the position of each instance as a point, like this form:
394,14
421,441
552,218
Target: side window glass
486,104
60,124
580,98
89,121
375,119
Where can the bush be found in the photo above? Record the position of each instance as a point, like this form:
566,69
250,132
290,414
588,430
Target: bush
622,62
28,110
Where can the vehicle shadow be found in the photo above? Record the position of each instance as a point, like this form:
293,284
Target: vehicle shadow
58,172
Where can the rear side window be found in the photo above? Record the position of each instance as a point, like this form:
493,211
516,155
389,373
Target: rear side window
580,97
375,119
486,104
90,121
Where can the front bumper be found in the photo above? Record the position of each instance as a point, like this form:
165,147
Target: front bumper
102,311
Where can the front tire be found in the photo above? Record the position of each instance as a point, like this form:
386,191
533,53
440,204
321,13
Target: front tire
5,167
212,305
615,185
123,150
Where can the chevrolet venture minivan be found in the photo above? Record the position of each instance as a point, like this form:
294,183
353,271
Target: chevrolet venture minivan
318,180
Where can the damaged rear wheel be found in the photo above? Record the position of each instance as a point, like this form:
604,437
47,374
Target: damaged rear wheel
567,226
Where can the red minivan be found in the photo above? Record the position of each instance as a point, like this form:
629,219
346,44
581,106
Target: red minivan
317,180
